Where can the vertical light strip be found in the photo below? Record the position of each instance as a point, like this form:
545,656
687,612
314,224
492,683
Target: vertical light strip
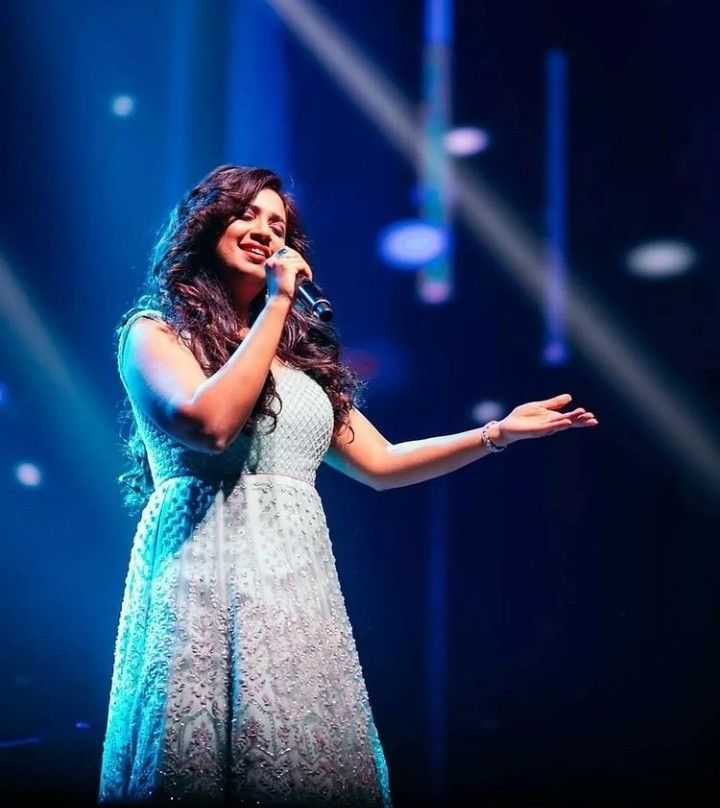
435,283
359,77
179,111
555,350
257,119
435,279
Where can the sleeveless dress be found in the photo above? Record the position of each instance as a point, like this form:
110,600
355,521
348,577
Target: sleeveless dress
236,678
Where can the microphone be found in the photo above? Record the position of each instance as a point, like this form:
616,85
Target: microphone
314,300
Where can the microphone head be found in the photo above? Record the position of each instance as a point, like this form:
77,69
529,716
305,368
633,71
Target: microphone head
314,300
323,311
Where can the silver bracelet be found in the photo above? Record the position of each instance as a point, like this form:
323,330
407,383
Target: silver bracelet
487,441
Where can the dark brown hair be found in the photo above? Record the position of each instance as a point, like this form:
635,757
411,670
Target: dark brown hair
184,286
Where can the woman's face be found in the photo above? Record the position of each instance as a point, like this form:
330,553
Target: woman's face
252,238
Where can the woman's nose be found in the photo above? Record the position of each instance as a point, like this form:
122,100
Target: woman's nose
262,231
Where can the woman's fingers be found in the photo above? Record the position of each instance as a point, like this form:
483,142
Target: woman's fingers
287,267
538,418
556,402
587,419
577,417
577,411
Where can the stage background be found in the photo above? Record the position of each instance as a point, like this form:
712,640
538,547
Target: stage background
577,659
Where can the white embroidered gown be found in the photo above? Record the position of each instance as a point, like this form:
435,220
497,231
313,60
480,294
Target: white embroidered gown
236,678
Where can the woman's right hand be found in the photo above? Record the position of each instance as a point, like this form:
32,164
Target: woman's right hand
282,271
536,419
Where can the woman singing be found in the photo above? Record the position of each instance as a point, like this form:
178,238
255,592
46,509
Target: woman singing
236,677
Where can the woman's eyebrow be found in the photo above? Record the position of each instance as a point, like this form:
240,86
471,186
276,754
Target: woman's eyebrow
274,216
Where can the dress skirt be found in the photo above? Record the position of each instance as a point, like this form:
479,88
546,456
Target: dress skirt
236,677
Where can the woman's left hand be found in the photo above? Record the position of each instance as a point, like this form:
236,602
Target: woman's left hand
538,419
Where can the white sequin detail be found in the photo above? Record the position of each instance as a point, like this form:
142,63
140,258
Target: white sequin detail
236,676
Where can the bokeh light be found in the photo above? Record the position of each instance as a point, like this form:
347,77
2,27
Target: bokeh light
122,106
661,259
435,291
462,141
28,474
487,410
555,353
410,244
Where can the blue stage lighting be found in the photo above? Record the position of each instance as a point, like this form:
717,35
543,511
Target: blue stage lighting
435,291
410,244
463,141
661,259
122,106
555,353
28,474
487,410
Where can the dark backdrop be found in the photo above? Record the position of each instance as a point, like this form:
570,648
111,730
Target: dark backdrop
582,598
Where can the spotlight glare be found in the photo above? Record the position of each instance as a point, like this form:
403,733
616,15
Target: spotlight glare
410,244
661,259
462,141
555,353
487,410
28,474
664,408
435,291
122,106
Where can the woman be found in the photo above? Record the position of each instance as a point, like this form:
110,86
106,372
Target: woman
236,676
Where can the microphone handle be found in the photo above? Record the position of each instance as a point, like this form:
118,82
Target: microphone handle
314,300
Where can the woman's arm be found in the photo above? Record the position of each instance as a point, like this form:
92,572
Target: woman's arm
372,459
165,380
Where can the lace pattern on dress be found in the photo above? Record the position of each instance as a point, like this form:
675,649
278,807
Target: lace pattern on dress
236,676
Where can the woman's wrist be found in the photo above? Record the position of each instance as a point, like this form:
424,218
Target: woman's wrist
278,300
497,435
492,437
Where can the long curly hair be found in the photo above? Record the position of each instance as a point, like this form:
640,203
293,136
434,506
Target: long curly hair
185,287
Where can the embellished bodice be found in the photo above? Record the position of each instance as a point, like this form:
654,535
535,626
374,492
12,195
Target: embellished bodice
295,448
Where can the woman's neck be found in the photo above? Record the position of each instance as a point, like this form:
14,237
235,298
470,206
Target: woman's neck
243,299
